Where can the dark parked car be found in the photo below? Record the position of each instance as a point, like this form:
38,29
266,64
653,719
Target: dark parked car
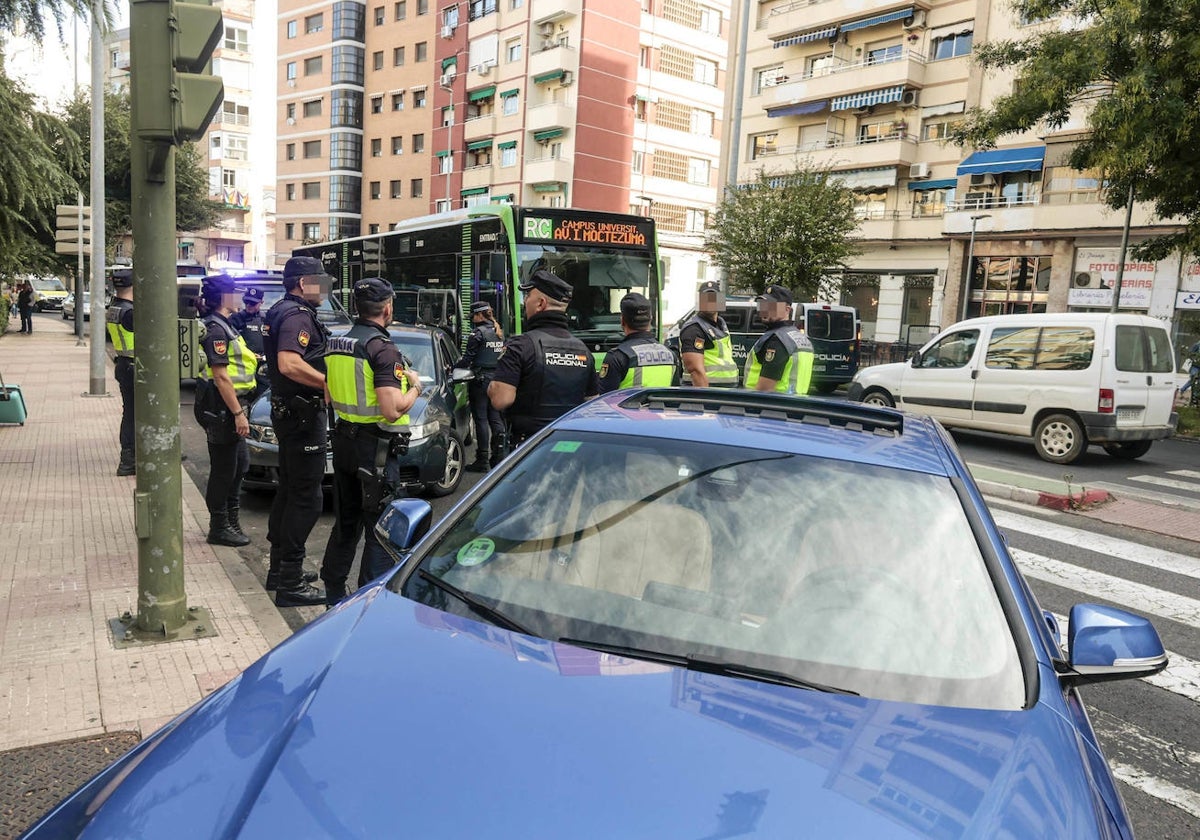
441,424
672,613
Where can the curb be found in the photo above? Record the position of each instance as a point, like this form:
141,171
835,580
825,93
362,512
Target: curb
1040,498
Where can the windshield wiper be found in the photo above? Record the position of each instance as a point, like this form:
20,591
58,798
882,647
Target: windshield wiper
477,606
709,665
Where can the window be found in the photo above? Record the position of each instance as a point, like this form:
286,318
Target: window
953,351
377,60
508,156
769,77
510,105
873,132
397,145
376,147
418,143
419,98
819,65
422,7
479,8
644,57
349,63
372,228
237,38
445,164
291,70
695,221
705,72
417,188
396,189
289,192
312,108
379,15
512,50
885,54
398,56
702,122
312,231
398,101
234,114
639,110
312,148
1031,348
516,4
290,110
870,205
1065,185
401,10
701,269
1020,188
291,33
447,116
639,162
375,191
929,203
314,23
345,152
311,189
312,66
940,128
290,151
764,145
450,16
422,51
710,21
289,231
376,104
950,46
1009,285
698,171
1143,350
442,205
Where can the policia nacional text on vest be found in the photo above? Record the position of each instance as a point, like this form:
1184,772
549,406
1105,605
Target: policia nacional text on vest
797,375
564,369
718,360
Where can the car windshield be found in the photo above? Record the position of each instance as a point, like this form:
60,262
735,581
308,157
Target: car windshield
48,284
669,546
418,349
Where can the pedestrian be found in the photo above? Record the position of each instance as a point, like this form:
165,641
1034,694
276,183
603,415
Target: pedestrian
704,343
294,342
484,346
782,358
230,378
639,359
119,318
249,323
546,371
371,390
25,307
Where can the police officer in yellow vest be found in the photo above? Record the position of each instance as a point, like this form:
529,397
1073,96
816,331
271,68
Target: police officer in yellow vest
639,360
782,358
371,389
704,342
231,376
119,318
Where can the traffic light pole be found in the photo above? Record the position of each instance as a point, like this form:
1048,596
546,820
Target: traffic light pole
96,366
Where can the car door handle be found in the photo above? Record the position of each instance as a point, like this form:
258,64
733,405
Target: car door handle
975,373
1149,380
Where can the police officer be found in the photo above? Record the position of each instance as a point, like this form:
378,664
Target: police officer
484,346
119,318
639,359
231,372
371,391
782,358
544,372
294,342
249,323
704,343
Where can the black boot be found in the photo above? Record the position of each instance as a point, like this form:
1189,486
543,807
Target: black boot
233,511
479,465
219,532
272,582
127,464
293,591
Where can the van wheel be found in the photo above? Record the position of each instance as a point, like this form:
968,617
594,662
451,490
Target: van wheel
879,398
1059,439
1128,451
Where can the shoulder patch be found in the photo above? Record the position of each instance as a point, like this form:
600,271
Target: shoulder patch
604,370
303,338
769,355
398,371
699,343
219,347
266,328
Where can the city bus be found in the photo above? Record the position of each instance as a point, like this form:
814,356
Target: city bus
440,264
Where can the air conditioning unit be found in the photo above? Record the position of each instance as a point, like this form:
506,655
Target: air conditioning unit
447,79
1087,280
909,98
546,29
291,82
548,44
568,77
447,31
983,180
914,21
918,171
291,120
864,110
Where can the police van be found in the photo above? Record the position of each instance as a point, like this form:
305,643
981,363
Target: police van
832,329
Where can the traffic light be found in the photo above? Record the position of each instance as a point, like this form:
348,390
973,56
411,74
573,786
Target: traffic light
174,92
70,235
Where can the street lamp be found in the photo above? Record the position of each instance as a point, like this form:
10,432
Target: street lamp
966,292
649,201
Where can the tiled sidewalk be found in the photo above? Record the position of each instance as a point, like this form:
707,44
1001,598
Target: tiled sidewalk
68,564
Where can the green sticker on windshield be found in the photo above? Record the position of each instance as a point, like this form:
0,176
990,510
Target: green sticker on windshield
475,552
567,446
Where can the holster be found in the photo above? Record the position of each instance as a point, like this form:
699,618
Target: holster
377,491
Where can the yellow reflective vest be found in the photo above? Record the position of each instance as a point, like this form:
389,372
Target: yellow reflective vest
121,338
797,376
243,364
351,380
718,360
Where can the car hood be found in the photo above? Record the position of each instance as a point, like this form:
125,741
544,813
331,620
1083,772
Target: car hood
387,718
890,372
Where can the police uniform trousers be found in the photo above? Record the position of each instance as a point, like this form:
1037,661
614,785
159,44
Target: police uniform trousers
355,447
489,424
228,462
123,371
303,433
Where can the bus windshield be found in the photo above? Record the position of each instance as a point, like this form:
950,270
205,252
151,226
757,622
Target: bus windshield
600,278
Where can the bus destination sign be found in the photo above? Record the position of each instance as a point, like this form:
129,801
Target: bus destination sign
587,231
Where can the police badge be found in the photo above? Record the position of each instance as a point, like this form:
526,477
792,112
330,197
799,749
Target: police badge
219,347
769,356
699,343
604,370
303,338
398,372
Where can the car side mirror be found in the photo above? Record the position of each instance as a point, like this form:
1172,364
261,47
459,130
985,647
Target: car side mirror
458,375
402,525
1105,643
916,359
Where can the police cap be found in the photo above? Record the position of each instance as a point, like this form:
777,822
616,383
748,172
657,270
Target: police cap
551,285
122,278
253,295
216,285
298,267
777,294
480,307
709,287
635,309
373,290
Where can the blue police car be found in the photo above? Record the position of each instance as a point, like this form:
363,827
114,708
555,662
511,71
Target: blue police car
673,613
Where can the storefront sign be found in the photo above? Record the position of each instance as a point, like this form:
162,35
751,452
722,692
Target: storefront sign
1187,300
1096,274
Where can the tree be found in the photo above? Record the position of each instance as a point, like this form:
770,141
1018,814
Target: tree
1130,65
788,229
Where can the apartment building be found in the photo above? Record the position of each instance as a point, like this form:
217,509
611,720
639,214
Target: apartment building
870,89
398,109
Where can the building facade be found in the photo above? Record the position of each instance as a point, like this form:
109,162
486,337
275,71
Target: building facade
871,89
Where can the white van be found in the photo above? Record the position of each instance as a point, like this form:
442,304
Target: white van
1066,380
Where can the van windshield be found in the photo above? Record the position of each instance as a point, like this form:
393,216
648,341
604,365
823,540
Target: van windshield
48,284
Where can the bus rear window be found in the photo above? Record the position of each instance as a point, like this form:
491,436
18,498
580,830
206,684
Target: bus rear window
824,323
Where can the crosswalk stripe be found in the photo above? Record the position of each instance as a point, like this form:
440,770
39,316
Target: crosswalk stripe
1181,798
1184,473
1182,763
1166,482
1144,555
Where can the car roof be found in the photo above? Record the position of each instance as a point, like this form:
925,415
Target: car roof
1058,318
777,422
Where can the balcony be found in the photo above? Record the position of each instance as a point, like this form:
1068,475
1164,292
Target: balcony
560,58
474,177
905,70
477,127
877,226
896,149
549,115
1033,213
545,11
547,168
809,15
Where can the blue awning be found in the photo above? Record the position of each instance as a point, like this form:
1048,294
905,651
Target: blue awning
1023,159
796,110
944,184
865,98
886,17
806,37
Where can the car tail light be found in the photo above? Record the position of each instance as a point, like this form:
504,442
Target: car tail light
1107,399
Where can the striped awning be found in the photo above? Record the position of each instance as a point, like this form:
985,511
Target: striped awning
550,76
943,184
507,144
548,134
806,37
476,145
876,20
474,191
548,186
1022,159
506,93
867,97
866,179
798,109
507,198
483,93
943,110
449,62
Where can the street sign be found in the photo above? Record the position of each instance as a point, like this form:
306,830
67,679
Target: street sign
70,248
73,229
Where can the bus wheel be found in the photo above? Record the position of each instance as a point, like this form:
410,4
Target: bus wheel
879,398
824,387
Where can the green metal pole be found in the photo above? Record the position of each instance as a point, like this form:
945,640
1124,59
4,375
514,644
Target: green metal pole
162,603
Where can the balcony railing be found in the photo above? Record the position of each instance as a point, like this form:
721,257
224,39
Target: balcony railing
992,202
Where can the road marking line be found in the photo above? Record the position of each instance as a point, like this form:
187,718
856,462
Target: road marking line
1166,482
1144,555
1185,800
1184,473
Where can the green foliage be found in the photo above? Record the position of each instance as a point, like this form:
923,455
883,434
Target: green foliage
788,229
28,16
1132,66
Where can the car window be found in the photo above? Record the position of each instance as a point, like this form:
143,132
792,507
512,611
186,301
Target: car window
951,351
662,545
1066,348
1143,350
418,349
1012,348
